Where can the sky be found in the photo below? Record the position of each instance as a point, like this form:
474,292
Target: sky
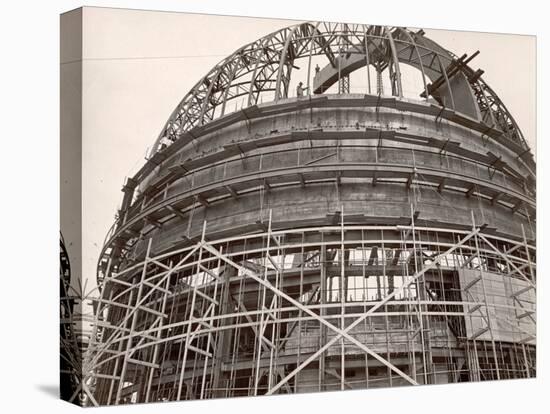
138,65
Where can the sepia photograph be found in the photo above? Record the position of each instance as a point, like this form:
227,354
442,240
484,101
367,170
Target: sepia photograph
292,206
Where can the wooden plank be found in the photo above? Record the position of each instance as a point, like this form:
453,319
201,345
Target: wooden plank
205,296
199,351
472,283
231,191
479,333
147,364
525,314
474,308
521,291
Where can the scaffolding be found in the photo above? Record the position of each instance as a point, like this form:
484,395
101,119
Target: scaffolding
310,309
75,320
321,242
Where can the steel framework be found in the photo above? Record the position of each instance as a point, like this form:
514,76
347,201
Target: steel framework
264,67
75,318
242,319
70,354
329,241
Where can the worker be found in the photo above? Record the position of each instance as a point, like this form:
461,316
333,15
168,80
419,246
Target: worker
300,90
317,69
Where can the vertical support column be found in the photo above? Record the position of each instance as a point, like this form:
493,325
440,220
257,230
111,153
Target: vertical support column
365,300
120,345
133,323
531,272
158,336
386,318
343,295
471,356
421,296
533,278
397,87
343,80
367,59
489,319
312,40
411,338
323,296
340,62
188,336
224,336
260,329
96,332
300,312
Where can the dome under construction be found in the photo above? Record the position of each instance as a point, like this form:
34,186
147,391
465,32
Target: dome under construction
333,206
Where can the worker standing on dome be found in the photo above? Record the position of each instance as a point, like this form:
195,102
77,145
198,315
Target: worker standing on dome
300,90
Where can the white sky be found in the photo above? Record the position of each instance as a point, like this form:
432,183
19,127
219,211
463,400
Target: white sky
139,64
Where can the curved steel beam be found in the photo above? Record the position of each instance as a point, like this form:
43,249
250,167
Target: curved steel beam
266,59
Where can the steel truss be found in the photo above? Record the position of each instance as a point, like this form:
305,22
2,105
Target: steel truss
333,307
262,70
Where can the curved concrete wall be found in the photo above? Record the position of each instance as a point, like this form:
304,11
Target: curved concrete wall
306,163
